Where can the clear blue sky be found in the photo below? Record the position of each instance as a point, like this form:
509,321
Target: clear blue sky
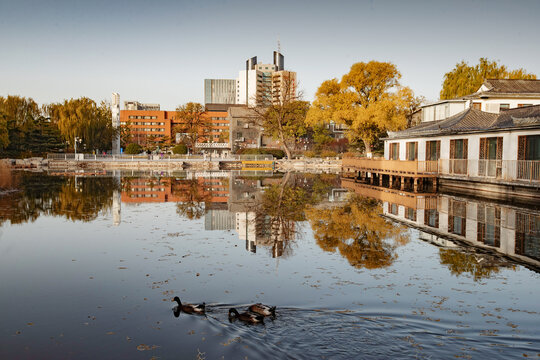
160,51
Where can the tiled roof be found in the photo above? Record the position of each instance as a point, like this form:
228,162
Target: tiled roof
469,119
518,117
472,120
510,86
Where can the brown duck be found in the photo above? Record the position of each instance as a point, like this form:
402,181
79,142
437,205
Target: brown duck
247,317
189,308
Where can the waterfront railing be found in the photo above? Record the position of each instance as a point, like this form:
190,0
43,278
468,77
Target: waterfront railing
506,170
157,157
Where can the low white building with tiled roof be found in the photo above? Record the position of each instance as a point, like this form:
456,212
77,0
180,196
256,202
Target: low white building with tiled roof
493,96
475,145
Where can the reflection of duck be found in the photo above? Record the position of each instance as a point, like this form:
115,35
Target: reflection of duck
188,308
263,310
247,317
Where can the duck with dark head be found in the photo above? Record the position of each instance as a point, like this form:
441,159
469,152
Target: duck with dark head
263,310
247,317
188,308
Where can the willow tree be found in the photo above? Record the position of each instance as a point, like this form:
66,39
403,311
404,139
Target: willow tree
368,100
192,123
465,79
82,118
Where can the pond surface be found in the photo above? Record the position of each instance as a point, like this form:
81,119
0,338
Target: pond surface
89,265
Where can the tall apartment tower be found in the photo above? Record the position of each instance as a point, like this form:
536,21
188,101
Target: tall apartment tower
263,84
115,112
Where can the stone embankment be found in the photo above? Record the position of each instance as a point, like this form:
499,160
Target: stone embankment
332,165
283,165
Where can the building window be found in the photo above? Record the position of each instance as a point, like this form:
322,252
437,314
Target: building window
394,151
528,155
431,218
433,150
504,107
457,217
458,156
412,151
528,235
524,105
477,105
410,214
489,225
490,155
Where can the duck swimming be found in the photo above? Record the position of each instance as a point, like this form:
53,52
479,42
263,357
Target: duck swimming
247,317
263,310
189,308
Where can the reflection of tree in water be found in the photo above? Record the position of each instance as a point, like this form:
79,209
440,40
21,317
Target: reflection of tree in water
84,198
281,206
194,198
74,198
357,230
461,262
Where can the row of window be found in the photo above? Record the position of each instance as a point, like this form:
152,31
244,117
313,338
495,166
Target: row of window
490,149
144,123
142,117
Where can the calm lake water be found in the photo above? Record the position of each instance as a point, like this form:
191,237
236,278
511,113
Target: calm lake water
89,264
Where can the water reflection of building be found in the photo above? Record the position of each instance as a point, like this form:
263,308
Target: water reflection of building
509,230
254,226
144,189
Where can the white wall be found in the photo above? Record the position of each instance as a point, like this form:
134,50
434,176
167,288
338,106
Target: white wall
251,87
510,147
443,110
490,105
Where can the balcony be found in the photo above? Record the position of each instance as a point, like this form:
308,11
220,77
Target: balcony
392,167
503,170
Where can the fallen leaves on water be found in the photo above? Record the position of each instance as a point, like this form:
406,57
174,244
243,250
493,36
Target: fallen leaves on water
233,340
144,347
110,333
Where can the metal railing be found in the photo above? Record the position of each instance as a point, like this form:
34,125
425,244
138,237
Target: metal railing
391,166
507,170
158,157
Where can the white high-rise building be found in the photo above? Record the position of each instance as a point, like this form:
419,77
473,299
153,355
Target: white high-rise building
115,112
257,84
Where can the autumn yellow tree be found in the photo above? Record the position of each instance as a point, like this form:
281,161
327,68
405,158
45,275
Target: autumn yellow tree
82,118
357,231
465,79
192,123
368,100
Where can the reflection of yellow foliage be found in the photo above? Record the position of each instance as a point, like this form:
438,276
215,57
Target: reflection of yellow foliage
358,231
81,199
194,198
460,262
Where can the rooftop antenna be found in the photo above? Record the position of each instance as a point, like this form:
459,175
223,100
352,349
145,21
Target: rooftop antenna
278,45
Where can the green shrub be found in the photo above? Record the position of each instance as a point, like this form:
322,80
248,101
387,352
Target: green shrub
133,149
180,149
310,154
328,153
